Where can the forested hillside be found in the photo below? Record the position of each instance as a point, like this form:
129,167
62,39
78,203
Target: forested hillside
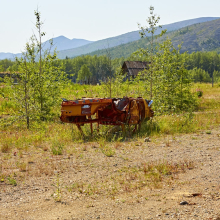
198,37
125,38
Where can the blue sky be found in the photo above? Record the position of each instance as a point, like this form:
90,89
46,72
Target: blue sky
90,19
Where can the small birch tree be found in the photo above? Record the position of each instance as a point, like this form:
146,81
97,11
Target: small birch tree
148,32
40,78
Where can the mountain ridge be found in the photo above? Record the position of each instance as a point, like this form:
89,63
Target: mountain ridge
60,43
126,38
197,37
81,46
63,43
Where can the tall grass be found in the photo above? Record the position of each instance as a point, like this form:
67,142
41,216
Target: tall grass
17,136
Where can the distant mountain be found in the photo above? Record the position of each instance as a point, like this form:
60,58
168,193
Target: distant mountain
10,56
60,43
77,47
64,43
198,37
126,38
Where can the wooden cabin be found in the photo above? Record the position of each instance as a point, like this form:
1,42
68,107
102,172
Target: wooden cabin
132,68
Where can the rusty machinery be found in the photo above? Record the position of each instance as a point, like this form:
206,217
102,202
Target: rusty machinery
106,111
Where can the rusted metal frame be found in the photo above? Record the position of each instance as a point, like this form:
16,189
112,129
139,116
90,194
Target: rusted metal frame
141,111
80,129
114,116
99,121
137,126
87,121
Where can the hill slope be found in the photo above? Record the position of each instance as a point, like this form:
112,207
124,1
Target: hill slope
198,37
126,38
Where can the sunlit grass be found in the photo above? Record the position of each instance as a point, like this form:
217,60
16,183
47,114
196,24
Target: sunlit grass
16,135
210,101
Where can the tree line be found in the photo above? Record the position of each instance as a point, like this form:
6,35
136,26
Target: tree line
202,65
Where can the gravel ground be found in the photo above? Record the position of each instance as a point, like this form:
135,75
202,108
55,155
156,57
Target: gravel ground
192,194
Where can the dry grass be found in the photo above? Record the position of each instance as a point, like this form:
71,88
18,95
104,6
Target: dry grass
6,148
130,179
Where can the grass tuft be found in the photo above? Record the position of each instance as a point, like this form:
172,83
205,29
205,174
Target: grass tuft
108,151
57,148
6,147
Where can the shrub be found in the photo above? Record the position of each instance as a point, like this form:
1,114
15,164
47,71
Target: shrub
199,92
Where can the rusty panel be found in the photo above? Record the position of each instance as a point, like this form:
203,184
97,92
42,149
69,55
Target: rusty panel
86,109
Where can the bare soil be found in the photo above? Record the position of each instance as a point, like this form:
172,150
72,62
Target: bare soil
96,186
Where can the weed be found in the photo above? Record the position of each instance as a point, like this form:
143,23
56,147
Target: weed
20,154
12,181
85,148
91,190
108,151
2,176
57,148
57,184
102,143
6,148
76,186
151,127
21,166
81,156
199,92
7,156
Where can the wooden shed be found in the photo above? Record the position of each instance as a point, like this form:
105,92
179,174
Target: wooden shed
132,68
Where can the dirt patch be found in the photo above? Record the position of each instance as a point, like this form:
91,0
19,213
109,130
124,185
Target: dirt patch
139,180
